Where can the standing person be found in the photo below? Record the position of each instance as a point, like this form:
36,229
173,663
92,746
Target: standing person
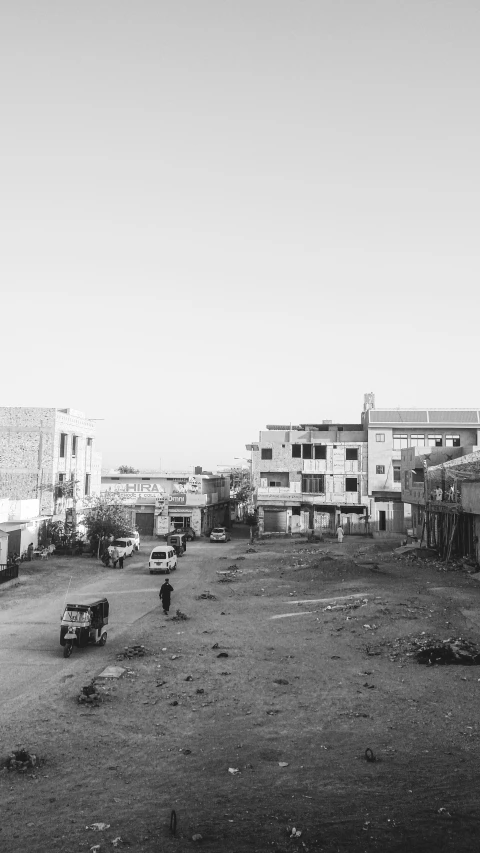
115,554
30,552
106,558
165,592
340,534
121,558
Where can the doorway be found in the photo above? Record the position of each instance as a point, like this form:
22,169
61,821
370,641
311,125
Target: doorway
382,519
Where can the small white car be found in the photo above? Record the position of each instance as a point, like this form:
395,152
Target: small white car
135,537
162,559
123,546
219,534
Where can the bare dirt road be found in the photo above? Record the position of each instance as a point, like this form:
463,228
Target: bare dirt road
251,718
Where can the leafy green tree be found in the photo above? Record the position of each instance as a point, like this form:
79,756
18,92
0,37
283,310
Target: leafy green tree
127,469
106,516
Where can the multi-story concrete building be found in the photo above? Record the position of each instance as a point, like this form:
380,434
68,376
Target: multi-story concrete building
320,475
392,430
310,476
160,502
41,448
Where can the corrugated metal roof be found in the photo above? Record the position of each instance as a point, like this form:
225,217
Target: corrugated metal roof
398,416
453,416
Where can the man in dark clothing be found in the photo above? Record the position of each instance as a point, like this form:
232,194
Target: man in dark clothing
120,560
165,592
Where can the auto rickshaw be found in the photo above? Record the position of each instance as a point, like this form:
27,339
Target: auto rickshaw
83,624
178,541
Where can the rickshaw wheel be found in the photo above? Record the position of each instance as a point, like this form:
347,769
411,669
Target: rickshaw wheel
67,650
103,639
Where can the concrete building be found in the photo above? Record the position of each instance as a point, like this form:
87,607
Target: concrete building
443,489
41,448
310,476
160,502
320,475
392,430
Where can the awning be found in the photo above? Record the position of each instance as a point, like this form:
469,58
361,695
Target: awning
9,526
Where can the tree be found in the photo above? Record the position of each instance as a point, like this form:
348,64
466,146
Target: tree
106,516
127,469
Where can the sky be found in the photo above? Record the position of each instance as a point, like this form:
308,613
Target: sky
217,215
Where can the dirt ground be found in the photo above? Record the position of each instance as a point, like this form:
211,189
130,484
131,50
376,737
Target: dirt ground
291,711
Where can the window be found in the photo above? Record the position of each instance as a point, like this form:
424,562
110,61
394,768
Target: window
400,441
417,477
89,442
435,440
267,453
351,484
145,478
351,453
396,474
380,469
274,483
296,451
379,436
313,483
74,444
452,441
87,484
114,478
276,478
63,445
320,451
61,478
307,451
417,440
406,479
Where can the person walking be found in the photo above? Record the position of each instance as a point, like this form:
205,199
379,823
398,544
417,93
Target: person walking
115,554
340,534
120,561
165,592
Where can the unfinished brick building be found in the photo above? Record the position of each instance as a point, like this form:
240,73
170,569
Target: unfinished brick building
42,447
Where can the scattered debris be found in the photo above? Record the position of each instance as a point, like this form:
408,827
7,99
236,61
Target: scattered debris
116,841
451,651
280,681
369,755
200,690
98,827
189,678
283,763
222,655
207,595
90,694
197,837
215,646
233,770
21,760
132,652
444,813
294,833
251,551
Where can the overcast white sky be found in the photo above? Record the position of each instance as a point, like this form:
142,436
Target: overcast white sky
272,203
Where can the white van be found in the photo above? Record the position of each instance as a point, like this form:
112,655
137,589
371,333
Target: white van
162,559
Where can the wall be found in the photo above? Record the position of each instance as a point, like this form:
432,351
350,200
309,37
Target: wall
382,453
471,497
26,451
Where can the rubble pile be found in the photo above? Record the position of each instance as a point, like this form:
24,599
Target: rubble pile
21,760
451,651
430,650
132,652
89,694
207,595
179,616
